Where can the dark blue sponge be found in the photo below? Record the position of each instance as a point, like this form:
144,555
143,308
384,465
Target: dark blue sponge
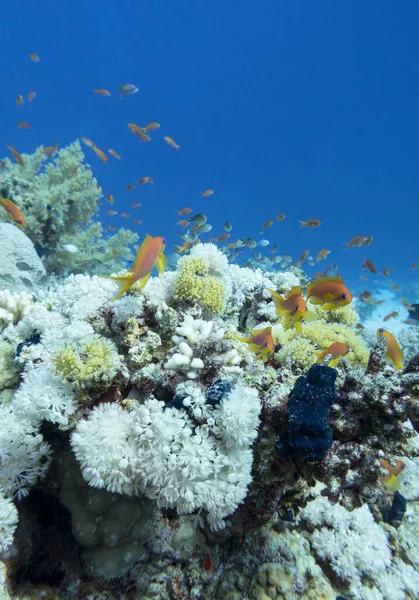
307,419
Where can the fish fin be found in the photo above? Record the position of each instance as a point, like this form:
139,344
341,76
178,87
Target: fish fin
315,300
329,306
329,297
278,300
392,483
295,291
398,365
298,327
140,253
310,316
161,263
124,284
254,348
334,361
303,224
143,281
242,339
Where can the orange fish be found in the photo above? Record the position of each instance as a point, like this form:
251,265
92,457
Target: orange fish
23,125
111,213
410,322
90,143
100,154
365,295
114,153
407,305
150,255
323,254
74,169
386,271
136,204
360,328
395,287
206,193
329,292
111,228
414,266
302,258
393,352
139,131
151,126
31,96
358,240
138,221
184,211
18,158
183,248
171,142
50,150
391,315
145,180
369,265
311,223
13,211
110,199
19,100
260,343
267,224
101,92
390,481
293,307
223,237
130,187
336,350
33,56
280,217
183,223
125,215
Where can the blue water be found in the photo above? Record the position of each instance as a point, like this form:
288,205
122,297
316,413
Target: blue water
303,108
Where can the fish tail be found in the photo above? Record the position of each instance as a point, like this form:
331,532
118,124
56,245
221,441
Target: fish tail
124,284
278,301
398,365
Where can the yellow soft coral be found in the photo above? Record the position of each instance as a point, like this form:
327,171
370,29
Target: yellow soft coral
194,284
299,351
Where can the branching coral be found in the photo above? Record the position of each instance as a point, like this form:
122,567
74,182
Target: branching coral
8,523
14,306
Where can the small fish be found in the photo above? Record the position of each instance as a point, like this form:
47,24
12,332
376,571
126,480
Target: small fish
138,221
395,287
280,217
145,180
365,295
101,92
223,237
100,154
171,142
368,241
90,143
228,226
264,243
139,131
125,215
273,249
110,199
111,213
183,223
292,308
70,248
18,157
322,255
114,153
358,240
265,226
386,271
336,350
391,315
136,204
34,57
150,255
13,211
184,211
204,228
250,243
200,218
390,481
369,265
410,322
206,193
23,125
127,89
183,248
407,305
310,223
111,228
302,258
31,96
414,266
50,151
151,126
328,292
360,328
19,100
130,187
74,169
394,352
260,343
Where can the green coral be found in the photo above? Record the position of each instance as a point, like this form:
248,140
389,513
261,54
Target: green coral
299,350
89,364
59,199
9,368
193,283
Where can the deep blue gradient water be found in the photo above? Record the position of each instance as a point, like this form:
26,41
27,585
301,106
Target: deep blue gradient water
304,108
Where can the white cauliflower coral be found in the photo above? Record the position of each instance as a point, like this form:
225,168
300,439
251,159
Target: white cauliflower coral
13,307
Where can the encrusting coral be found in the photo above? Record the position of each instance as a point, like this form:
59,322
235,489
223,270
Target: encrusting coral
194,284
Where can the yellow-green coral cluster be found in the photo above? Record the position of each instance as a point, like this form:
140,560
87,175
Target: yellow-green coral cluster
299,350
89,364
193,283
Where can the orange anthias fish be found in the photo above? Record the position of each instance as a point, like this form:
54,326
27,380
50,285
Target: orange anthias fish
90,143
390,481
100,154
31,96
223,237
414,266
293,307
336,351
13,211
207,193
386,271
18,157
323,254
33,56
302,258
171,142
151,126
311,223
101,92
358,240
369,265
51,150
261,343
394,352
184,211
150,255
23,125
391,315
280,217
114,153
139,131
329,292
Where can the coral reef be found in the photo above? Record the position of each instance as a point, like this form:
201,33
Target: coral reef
21,269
